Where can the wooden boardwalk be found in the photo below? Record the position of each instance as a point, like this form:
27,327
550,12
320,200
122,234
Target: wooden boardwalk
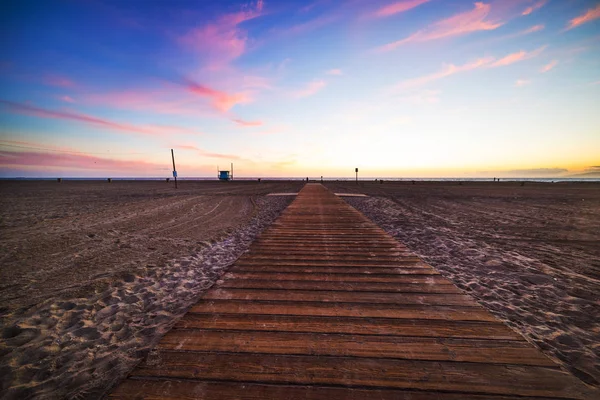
326,305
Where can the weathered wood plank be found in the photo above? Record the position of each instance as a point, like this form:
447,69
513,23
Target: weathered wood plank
335,269
373,346
350,325
350,278
340,286
363,372
340,297
449,313
171,389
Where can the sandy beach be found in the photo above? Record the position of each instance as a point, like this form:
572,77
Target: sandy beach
529,254
94,273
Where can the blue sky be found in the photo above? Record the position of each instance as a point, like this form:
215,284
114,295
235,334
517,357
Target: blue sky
410,88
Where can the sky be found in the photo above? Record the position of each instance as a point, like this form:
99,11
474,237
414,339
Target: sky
410,88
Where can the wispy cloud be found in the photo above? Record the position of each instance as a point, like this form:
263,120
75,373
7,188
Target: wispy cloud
247,123
516,57
460,24
534,7
447,70
77,161
398,7
206,153
486,62
27,109
522,82
334,71
535,28
549,66
310,89
222,101
220,42
589,15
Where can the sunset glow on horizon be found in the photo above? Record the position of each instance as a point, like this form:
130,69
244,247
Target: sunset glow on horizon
404,88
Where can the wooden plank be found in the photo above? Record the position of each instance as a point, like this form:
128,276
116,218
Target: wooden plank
408,270
343,345
351,278
339,297
450,313
339,286
172,389
413,262
363,372
351,325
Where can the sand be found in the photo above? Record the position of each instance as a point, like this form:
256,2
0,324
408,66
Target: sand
530,254
93,274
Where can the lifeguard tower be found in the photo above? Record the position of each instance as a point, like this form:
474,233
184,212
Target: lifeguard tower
225,175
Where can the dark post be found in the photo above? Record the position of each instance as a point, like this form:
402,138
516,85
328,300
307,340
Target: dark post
174,170
356,170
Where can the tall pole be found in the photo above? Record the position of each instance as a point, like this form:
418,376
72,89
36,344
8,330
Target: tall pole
356,170
231,171
174,170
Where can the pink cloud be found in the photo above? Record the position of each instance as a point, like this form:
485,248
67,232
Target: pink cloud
59,81
516,57
398,7
535,28
522,82
222,41
460,24
534,7
589,15
222,101
77,161
207,154
247,123
487,62
88,119
67,99
334,71
447,70
310,89
549,66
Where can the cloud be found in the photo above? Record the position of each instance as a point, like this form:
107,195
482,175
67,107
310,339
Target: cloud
460,24
534,7
207,154
522,82
76,161
95,121
447,70
247,123
535,28
334,71
398,7
222,101
58,81
220,42
589,15
310,89
549,66
486,62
